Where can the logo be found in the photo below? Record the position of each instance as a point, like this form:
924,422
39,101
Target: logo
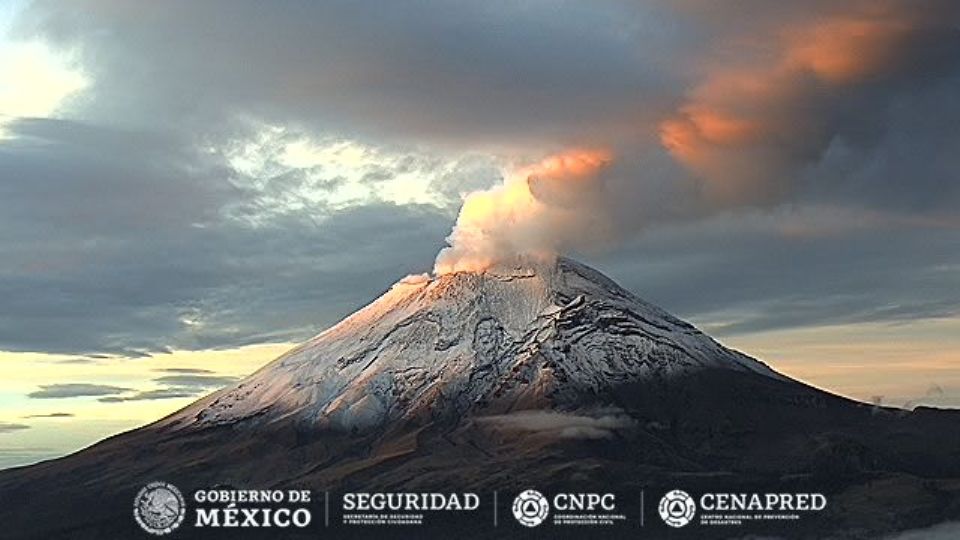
403,508
159,508
530,508
677,508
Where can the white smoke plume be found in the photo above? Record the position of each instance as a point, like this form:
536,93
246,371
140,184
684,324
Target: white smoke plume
538,211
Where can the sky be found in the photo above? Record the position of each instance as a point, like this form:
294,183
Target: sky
187,189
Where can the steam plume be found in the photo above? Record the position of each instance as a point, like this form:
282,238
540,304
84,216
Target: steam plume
537,211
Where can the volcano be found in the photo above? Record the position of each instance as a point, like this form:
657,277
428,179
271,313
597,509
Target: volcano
543,374
539,336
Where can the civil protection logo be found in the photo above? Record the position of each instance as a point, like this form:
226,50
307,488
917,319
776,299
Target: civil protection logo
530,508
677,508
159,508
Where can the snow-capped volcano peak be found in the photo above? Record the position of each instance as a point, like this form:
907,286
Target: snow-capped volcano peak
539,333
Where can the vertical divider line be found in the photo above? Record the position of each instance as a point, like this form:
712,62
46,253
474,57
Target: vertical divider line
326,508
495,508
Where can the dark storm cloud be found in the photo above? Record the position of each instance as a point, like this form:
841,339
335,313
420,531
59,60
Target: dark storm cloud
823,139
793,102
744,273
114,243
834,103
428,69
51,415
129,232
71,390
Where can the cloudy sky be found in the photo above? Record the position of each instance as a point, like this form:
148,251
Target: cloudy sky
187,188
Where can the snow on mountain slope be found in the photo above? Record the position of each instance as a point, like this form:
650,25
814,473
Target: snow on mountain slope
438,348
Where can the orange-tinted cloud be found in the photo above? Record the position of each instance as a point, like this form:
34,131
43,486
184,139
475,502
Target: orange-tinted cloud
746,129
848,49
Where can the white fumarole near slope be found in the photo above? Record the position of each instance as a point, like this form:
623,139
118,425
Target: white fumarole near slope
439,347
